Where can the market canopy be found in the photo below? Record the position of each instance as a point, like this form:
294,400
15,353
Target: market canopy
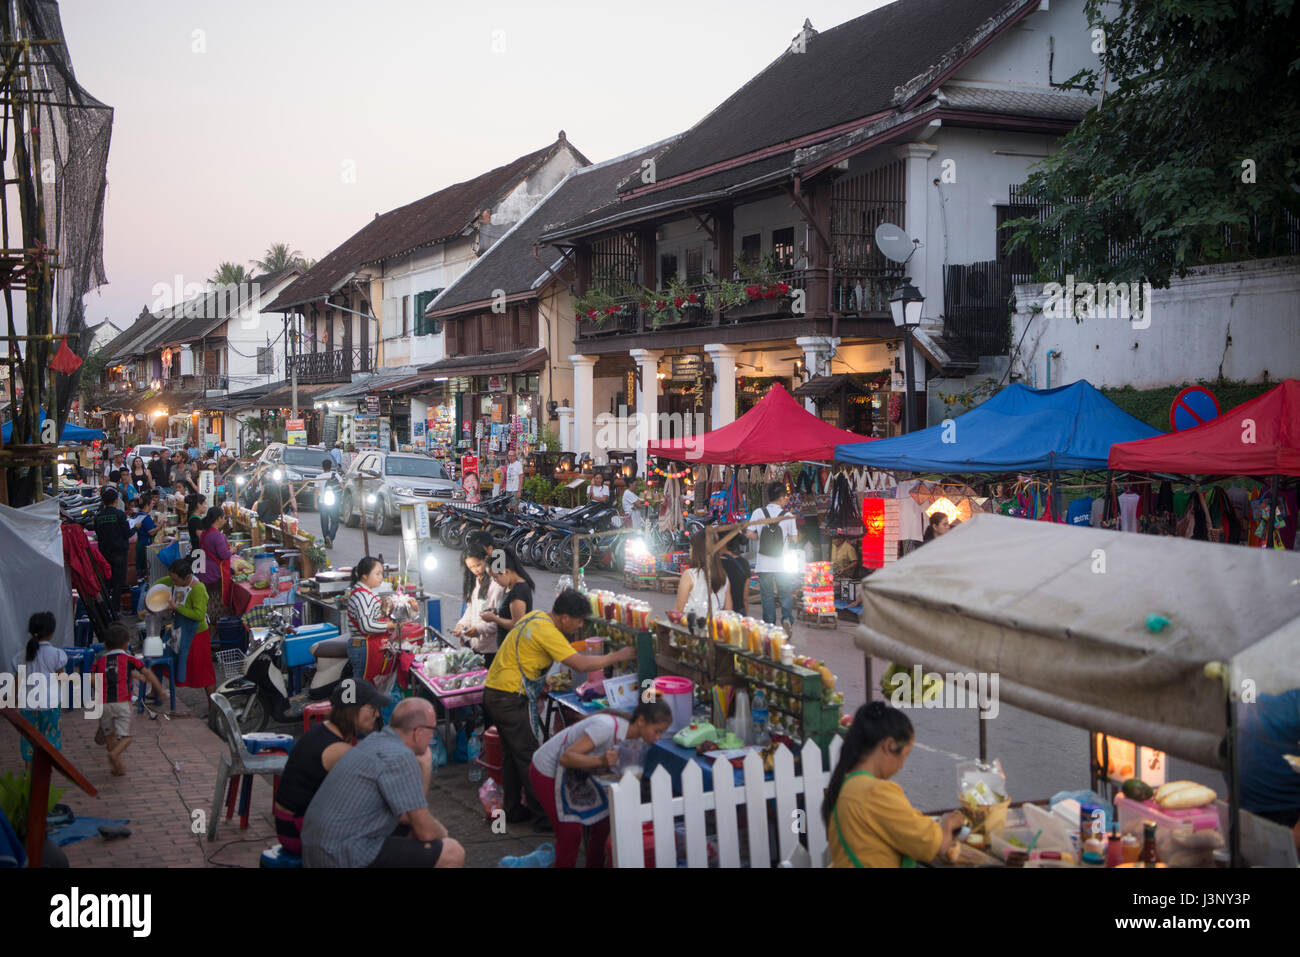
1259,437
71,433
1025,600
776,429
1070,427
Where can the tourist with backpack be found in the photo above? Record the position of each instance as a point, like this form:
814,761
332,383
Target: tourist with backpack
774,583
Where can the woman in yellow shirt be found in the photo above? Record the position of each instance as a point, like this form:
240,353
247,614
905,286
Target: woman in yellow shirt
869,821
514,681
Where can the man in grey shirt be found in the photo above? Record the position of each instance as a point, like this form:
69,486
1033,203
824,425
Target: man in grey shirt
371,811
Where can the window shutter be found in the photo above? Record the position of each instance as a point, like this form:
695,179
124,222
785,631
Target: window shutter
453,329
489,332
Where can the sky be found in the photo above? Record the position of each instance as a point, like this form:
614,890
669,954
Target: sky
239,123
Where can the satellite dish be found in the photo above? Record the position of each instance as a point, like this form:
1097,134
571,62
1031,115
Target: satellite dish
894,243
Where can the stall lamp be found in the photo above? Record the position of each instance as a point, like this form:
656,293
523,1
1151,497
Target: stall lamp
328,497
637,548
430,561
627,471
240,480
792,561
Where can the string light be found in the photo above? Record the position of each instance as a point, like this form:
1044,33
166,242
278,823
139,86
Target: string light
676,475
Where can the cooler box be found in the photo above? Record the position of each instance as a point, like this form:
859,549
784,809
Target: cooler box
297,649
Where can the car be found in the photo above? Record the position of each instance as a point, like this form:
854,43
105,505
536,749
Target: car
403,478
296,463
146,453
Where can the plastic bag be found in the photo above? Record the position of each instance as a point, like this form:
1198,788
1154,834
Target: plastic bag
489,795
439,750
982,791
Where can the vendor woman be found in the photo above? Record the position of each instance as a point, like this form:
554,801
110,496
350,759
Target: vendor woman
194,660
561,769
869,821
515,680
368,629
216,554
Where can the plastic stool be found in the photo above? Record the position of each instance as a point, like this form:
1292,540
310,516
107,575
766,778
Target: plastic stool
83,633
167,661
277,856
314,712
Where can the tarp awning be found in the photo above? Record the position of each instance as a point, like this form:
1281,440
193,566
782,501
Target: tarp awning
1025,600
70,433
1069,427
776,429
1259,437
500,363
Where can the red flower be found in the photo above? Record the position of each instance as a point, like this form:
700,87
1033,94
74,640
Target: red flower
677,301
783,287
692,298
610,310
752,292
593,314
660,304
578,316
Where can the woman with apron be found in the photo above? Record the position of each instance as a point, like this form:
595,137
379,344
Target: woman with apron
190,603
869,821
368,628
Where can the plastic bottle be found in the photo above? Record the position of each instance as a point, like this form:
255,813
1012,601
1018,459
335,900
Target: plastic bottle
473,750
760,716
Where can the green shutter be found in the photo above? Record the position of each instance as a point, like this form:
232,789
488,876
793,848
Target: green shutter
423,326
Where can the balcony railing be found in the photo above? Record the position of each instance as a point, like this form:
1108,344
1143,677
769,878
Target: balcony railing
861,290
337,365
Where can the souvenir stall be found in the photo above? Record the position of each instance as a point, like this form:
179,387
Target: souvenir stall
1110,654
1259,438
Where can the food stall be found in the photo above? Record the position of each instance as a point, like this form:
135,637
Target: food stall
1075,624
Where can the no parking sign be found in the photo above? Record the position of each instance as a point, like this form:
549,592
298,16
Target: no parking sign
1192,407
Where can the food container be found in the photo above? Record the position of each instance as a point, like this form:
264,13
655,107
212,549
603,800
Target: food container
1183,838
157,599
333,582
679,694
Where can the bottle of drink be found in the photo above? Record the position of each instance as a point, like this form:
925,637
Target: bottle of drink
1115,849
1148,854
760,713
473,750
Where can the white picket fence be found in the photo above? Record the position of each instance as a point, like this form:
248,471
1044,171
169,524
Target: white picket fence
628,813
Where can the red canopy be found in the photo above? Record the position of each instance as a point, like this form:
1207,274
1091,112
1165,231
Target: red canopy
1259,437
777,429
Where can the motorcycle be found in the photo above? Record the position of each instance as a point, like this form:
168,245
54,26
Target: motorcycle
262,693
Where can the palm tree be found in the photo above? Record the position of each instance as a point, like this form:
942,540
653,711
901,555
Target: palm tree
277,256
229,274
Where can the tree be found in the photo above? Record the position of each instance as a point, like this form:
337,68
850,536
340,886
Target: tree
277,256
1192,156
229,274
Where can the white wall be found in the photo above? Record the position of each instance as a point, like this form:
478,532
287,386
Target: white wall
434,268
249,331
1021,56
1257,304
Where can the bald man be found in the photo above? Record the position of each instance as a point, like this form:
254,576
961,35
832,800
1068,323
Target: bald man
372,810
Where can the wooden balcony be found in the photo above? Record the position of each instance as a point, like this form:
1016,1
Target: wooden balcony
336,365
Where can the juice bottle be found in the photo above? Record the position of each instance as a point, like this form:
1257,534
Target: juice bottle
1148,854
1131,847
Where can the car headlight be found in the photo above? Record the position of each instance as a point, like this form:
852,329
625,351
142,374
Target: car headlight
328,497
371,499
277,475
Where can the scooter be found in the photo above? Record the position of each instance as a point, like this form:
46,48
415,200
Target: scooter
262,694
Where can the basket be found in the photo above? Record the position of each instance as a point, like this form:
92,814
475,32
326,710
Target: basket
231,663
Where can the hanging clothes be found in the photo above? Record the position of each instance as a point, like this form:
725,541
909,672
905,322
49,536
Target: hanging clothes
844,511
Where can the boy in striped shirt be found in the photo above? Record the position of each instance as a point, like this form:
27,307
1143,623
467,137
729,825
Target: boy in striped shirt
116,669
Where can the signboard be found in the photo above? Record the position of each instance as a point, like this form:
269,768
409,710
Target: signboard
421,521
372,404
296,429
497,413
208,486
686,367
1191,407
496,383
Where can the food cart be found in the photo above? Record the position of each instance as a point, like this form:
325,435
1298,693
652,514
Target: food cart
1155,640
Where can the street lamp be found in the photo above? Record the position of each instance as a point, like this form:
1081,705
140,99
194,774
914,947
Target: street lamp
906,305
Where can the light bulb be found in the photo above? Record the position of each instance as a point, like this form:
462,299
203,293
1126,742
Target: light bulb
278,475
370,499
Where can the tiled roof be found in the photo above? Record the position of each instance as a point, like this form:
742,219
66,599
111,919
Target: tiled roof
1056,105
426,221
509,265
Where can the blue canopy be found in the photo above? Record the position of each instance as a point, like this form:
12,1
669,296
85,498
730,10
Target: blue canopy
71,433
1070,427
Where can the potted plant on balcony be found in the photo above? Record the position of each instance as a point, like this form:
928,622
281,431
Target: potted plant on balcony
766,294
678,303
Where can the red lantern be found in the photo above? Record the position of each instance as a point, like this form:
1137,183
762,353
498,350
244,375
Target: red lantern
873,540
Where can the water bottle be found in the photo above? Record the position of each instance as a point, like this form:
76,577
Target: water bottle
760,713
474,749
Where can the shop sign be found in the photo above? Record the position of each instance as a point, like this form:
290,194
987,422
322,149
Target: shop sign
497,412
296,431
485,405
686,367
372,404
208,486
495,384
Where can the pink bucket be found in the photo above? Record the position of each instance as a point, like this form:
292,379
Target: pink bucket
679,694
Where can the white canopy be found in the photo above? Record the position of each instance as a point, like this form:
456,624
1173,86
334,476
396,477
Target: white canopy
1060,613
35,578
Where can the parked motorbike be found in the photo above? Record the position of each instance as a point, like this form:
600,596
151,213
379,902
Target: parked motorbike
262,693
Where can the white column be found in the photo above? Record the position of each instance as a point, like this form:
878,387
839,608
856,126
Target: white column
647,401
918,189
816,359
584,403
724,389
565,412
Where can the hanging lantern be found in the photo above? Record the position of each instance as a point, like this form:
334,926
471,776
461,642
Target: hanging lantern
873,539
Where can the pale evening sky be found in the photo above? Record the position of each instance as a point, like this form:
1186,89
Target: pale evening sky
228,140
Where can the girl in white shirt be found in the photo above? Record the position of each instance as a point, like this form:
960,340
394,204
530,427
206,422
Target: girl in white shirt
486,595
40,657
695,585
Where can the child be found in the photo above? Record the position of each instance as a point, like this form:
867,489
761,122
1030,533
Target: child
42,658
117,669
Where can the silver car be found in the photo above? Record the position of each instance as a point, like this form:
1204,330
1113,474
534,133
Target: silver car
390,479
295,463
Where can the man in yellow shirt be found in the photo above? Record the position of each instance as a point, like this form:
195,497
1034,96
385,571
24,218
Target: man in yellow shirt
514,682
870,822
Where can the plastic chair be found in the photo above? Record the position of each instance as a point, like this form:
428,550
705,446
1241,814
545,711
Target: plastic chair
168,661
316,711
236,765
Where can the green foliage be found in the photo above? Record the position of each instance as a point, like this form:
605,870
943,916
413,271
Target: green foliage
540,489
277,256
1152,405
960,402
1198,96
16,796
549,440
229,274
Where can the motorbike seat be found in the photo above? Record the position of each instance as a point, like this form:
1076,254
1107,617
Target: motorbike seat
330,648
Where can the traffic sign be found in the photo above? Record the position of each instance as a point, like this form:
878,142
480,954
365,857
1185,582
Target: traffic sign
1192,407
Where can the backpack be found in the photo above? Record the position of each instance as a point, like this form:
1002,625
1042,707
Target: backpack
771,538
